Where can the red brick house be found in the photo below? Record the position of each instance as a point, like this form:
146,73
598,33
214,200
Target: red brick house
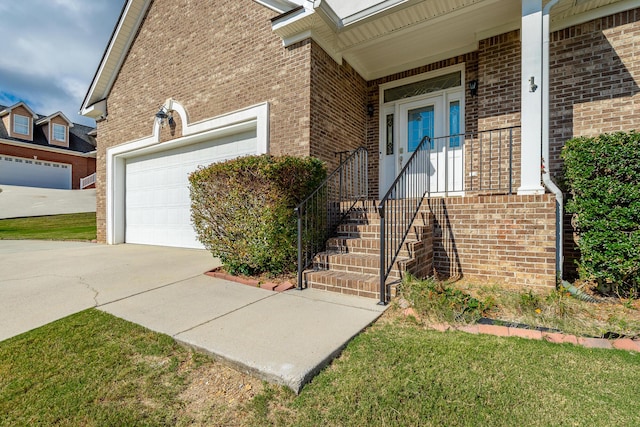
498,86
44,151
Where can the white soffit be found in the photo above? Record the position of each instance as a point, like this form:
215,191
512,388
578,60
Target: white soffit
574,12
379,38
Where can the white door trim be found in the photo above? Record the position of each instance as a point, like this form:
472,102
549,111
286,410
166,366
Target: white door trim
448,95
255,117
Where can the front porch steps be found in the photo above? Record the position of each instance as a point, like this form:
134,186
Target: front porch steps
351,262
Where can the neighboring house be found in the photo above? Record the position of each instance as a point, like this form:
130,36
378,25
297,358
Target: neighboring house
44,151
512,79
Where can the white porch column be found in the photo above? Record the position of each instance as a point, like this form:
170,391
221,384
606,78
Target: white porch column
531,98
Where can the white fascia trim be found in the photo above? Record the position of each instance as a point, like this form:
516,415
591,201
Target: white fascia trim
592,14
254,117
118,47
49,118
96,111
292,18
370,11
502,29
42,148
280,6
19,104
328,13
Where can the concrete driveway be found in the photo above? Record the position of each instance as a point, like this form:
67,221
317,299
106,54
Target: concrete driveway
281,337
42,281
16,201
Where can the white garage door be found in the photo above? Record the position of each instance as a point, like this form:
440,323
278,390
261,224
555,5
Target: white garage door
34,173
157,203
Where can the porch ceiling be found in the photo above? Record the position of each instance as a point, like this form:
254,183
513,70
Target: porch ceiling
379,38
424,32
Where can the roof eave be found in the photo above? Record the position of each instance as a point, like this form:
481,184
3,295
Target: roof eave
131,17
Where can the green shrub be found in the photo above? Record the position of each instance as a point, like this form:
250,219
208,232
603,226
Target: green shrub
243,210
604,178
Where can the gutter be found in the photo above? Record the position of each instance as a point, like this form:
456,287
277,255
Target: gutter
546,173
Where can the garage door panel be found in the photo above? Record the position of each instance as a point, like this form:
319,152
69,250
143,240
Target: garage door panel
34,173
158,206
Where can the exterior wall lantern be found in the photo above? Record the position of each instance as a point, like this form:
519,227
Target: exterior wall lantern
165,116
370,110
473,87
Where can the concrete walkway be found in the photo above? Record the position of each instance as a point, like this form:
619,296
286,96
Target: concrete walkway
281,337
17,202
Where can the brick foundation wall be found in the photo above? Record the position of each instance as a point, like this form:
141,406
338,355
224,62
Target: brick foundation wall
80,166
502,239
213,58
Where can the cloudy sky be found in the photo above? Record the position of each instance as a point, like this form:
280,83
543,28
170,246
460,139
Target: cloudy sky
51,50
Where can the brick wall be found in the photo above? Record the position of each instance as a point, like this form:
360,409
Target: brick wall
338,107
213,58
495,238
595,78
80,166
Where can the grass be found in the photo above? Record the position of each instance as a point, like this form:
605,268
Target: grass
78,226
94,369
402,375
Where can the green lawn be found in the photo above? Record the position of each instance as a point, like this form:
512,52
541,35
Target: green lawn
80,226
94,369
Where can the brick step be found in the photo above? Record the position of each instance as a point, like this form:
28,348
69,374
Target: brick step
372,231
359,263
364,285
355,245
346,283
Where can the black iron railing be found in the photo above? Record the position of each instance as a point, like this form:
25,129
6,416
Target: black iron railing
320,214
399,207
440,166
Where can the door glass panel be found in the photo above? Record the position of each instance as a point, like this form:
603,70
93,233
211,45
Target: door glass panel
454,123
390,142
423,87
420,122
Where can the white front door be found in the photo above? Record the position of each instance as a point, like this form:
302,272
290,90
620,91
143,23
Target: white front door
408,116
406,124
420,119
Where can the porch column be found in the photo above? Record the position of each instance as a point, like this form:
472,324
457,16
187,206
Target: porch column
531,98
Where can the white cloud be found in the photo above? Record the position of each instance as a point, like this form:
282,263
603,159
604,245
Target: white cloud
52,49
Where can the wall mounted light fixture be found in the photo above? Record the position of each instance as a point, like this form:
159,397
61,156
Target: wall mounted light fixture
370,109
165,114
473,87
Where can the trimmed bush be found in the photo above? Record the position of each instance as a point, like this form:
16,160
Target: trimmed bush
603,174
243,210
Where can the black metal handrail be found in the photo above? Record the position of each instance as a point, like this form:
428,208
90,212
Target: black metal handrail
488,168
400,205
320,214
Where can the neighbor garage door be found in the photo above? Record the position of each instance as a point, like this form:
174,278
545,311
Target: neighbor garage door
34,173
157,203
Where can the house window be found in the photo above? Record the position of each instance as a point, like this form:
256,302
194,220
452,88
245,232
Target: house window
20,124
423,87
59,132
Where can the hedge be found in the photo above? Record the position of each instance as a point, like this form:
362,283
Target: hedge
243,210
603,174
